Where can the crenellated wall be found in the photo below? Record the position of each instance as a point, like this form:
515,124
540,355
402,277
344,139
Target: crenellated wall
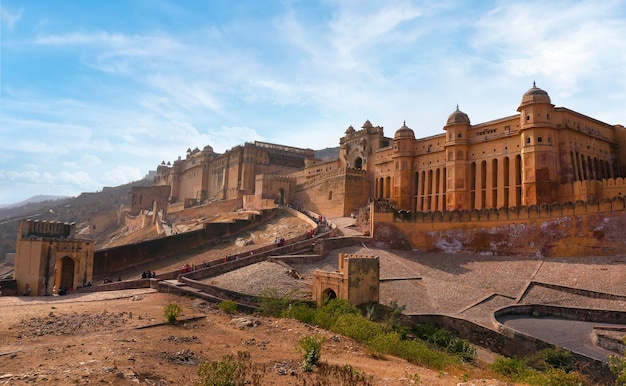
567,229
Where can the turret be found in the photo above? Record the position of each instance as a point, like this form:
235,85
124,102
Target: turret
457,167
404,149
537,137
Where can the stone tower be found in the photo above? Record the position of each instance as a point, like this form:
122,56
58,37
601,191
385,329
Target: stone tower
538,153
457,165
404,152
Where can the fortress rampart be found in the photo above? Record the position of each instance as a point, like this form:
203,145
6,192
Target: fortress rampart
130,255
561,229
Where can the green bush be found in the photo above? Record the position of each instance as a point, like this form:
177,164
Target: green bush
228,306
328,314
521,370
424,331
356,327
510,368
462,348
172,311
273,304
617,364
300,312
444,339
551,358
413,351
310,347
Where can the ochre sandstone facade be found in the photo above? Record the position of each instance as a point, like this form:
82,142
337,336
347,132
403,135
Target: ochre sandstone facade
49,257
542,155
532,158
205,176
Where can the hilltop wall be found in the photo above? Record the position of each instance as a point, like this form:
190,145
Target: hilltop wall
568,229
130,255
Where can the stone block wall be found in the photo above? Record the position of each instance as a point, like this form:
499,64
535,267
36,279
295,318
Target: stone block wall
569,229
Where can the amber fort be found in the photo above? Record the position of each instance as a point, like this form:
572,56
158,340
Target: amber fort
544,162
545,181
541,155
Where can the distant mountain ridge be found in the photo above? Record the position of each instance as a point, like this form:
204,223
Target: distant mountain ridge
34,200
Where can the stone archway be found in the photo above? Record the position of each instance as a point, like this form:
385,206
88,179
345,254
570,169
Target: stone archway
67,273
281,196
358,163
329,294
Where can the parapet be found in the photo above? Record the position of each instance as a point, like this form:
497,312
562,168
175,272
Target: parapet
49,229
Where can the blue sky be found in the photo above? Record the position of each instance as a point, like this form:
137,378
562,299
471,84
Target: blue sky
97,93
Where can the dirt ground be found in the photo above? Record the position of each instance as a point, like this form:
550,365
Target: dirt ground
122,338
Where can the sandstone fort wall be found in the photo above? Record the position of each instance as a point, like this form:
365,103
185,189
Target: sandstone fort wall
567,229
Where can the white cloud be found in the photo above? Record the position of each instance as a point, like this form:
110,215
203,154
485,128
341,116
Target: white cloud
562,41
9,19
122,175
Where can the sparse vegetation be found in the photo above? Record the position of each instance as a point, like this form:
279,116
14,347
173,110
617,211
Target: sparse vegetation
271,303
231,371
547,367
310,347
228,306
617,364
171,312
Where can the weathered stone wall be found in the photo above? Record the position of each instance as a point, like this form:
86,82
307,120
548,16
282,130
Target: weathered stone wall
569,229
126,256
208,210
100,222
326,193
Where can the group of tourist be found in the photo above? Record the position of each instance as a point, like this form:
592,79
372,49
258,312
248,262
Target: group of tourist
148,275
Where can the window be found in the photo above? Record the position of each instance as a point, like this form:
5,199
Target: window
528,140
528,117
539,140
460,135
330,195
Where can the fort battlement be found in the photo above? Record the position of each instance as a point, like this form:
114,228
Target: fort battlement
46,229
561,229
543,211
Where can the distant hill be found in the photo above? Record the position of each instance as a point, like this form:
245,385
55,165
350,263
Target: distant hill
34,199
69,209
327,154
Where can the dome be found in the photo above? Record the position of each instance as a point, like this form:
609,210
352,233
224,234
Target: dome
350,130
535,95
367,125
404,132
458,117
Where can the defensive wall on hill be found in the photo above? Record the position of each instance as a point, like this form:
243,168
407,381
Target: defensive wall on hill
561,229
129,255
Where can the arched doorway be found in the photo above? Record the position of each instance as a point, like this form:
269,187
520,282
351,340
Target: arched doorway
67,273
281,196
358,163
329,294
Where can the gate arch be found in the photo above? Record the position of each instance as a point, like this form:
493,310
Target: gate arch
67,273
